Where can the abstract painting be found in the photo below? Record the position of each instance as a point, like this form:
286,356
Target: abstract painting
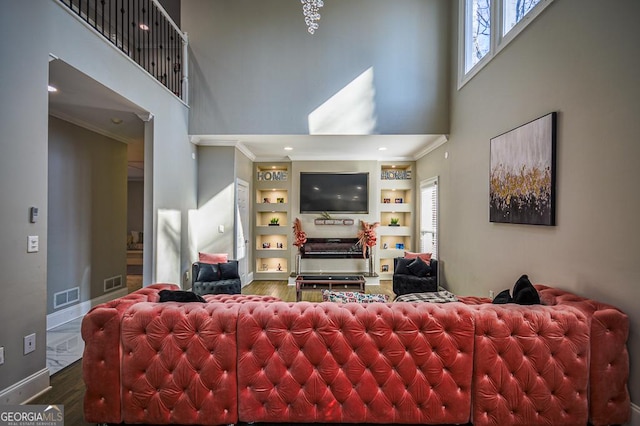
522,176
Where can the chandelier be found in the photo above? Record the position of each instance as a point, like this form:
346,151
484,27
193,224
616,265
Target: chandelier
310,9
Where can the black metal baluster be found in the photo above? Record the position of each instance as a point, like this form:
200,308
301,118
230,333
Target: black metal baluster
129,36
113,22
102,2
113,19
163,60
154,40
134,29
146,36
173,57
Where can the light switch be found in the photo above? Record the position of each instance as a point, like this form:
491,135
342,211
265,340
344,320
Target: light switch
221,229
32,244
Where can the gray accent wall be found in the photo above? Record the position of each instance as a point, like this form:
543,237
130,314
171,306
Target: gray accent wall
580,58
255,69
218,169
87,211
170,167
216,200
135,205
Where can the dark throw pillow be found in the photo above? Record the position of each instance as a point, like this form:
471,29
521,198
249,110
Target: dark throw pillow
183,296
419,268
502,298
524,293
228,271
208,272
402,266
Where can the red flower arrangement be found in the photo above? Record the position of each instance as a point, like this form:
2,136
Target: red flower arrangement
367,236
299,235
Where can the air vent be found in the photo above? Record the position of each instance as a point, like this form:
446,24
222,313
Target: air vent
113,283
66,297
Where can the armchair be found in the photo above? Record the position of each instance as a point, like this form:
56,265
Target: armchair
415,278
216,278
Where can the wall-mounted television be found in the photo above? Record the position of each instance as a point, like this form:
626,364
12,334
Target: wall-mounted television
334,192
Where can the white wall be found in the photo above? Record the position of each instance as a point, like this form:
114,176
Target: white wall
23,166
334,231
218,169
135,205
216,199
256,70
580,58
86,211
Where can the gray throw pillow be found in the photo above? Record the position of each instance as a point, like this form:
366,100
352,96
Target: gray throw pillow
208,272
419,268
401,266
228,271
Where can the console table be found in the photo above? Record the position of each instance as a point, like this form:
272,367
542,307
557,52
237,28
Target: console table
328,282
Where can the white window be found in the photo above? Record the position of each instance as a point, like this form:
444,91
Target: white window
429,216
514,12
487,26
478,34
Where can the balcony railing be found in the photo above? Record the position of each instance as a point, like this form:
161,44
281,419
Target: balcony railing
143,31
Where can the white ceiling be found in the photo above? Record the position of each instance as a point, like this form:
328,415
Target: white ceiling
89,104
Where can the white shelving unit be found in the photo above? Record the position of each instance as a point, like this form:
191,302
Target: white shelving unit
272,246
396,202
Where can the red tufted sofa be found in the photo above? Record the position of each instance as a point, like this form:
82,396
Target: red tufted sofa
258,359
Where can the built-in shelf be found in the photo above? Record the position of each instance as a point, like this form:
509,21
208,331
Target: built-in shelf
396,202
272,244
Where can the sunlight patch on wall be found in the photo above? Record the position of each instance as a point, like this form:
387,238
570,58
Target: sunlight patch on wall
241,251
168,246
351,111
192,225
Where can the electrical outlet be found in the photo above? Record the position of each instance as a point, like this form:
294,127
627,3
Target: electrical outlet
1,355
29,343
491,294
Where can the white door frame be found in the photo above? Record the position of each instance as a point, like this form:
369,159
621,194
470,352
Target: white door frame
242,229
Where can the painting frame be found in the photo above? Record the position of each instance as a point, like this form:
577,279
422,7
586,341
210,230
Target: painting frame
522,173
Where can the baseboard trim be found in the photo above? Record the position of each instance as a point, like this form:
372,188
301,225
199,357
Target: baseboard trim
26,389
80,309
249,279
635,415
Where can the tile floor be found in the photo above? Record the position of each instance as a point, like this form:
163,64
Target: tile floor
64,345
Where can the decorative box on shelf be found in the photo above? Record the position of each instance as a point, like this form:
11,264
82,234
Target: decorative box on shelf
333,221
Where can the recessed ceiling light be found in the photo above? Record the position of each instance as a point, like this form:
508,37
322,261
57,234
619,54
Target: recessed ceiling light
393,167
144,27
288,148
51,89
382,148
116,120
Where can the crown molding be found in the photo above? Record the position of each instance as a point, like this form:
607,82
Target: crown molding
73,120
203,140
431,147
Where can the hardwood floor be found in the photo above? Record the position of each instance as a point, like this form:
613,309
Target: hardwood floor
67,387
288,292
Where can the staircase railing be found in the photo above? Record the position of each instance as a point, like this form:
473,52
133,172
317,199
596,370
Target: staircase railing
143,31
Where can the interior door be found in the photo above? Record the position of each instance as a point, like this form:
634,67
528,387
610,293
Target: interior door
242,228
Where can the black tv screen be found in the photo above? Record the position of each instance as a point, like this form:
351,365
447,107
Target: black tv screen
334,192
